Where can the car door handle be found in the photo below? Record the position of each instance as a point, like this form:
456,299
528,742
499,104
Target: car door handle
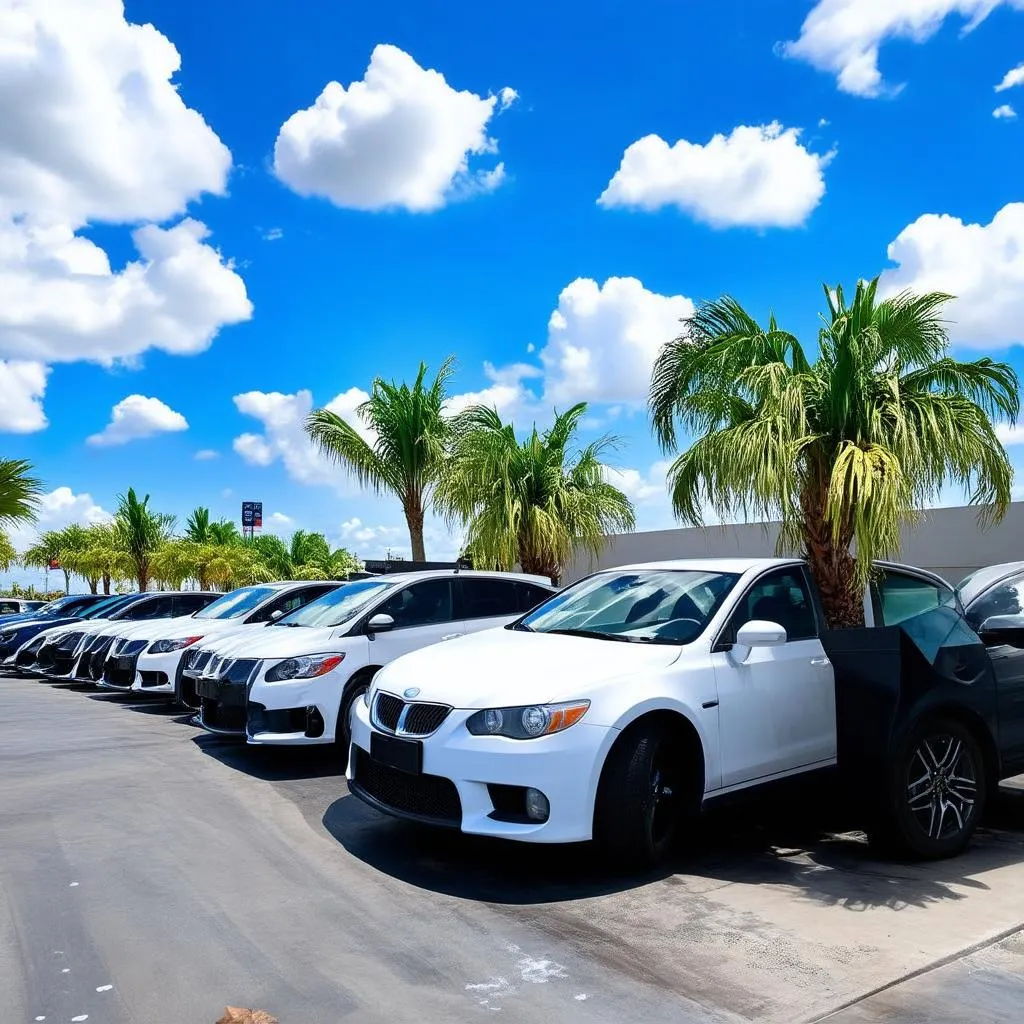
451,636
820,661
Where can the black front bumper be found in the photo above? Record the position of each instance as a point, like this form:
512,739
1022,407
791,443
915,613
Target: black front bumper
429,799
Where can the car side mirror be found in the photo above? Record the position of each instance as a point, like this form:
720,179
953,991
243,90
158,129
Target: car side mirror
1003,631
380,623
756,633
276,614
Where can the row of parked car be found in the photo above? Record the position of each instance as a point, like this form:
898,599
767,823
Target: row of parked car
615,709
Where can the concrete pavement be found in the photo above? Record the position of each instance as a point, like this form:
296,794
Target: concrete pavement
153,874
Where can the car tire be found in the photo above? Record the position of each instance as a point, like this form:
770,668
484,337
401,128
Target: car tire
936,791
342,732
644,798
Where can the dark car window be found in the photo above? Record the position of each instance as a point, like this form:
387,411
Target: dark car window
9,607
153,608
421,604
903,597
486,598
291,601
529,595
189,604
1006,598
781,597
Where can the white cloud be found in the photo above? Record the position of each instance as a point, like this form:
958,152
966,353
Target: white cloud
283,417
94,125
603,340
506,97
754,177
376,541
401,137
206,454
279,523
60,301
843,36
981,264
273,234
641,488
138,416
1005,111
507,393
22,386
1010,435
354,531
57,509
1012,78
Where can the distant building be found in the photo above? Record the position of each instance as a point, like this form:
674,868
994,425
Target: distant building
948,541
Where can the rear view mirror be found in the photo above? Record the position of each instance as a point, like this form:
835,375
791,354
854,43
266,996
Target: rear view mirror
756,633
1003,631
380,623
276,614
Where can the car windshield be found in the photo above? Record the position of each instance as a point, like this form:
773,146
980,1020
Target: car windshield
659,606
337,607
237,603
105,608
58,605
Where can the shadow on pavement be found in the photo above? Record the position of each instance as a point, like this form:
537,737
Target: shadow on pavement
753,844
272,764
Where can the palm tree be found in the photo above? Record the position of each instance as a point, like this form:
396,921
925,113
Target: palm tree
98,558
197,526
140,532
8,556
533,502
224,531
46,552
73,541
273,553
844,449
19,492
407,454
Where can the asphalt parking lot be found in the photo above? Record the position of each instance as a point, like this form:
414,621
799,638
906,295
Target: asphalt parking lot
150,873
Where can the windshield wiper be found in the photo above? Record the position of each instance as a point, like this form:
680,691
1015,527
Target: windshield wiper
593,634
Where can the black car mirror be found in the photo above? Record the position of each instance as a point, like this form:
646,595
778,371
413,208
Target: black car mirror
1003,631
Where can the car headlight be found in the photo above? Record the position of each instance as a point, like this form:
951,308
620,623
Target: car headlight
527,723
166,646
306,667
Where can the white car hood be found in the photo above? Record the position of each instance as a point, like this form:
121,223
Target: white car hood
154,629
509,668
258,641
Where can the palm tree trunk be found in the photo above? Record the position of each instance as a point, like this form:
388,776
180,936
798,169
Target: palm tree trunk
540,565
831,564
94,584
106,583
414,518
67,581
143,577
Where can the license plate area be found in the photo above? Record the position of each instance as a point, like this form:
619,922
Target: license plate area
208,688
405,755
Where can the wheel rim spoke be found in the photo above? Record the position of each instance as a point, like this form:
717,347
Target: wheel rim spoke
943,797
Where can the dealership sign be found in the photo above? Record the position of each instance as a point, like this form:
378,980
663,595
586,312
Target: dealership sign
252,515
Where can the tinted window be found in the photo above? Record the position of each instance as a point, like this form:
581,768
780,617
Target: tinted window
237,603
422,604
9,608
642,606
189,604
483,598
290,601
111,608
341,605
529,595
1006,598
154,608
781,597
905,597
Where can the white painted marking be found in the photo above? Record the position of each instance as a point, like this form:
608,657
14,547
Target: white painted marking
67,970
107,988
81,1016
580,997
495,987
72,885
540,972
40,1018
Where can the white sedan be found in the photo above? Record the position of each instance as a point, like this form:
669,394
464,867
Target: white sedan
615,709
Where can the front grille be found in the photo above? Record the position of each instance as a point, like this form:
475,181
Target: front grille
388,710
422,796
222,717
25,658
392,714
120,670
195,661
423,719
151,679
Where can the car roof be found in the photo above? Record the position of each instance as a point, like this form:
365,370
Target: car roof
426,574
736,565
974,585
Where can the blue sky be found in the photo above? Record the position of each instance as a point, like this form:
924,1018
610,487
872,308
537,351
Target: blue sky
416,217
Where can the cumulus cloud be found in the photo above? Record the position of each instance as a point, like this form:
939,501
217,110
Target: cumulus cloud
981,264
57,509
206,454
506,393
60,300
754,177
641,488
283,417
1004,112
1012,78
22,386
603,340
355,531
400,137
138,416
1010,435
506,97
843,37
273,234
95,130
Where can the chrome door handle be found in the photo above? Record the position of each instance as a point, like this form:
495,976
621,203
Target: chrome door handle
820,661
451,636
